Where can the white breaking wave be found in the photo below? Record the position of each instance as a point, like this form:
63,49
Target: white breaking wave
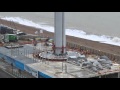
70,32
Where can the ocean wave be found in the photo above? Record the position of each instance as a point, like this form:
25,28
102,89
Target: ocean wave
70,32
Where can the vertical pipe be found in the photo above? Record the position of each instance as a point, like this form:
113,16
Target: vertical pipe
63,33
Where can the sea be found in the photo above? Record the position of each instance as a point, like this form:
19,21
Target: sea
103,27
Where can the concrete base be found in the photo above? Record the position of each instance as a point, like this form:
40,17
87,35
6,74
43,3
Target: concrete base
49,56
55,69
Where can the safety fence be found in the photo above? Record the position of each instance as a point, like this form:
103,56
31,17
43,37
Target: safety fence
23,67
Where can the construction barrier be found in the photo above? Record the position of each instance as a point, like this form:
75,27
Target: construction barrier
32,71
19,65
28,69
23,67
42,75
9,60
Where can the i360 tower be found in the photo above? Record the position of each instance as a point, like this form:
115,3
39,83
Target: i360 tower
60,36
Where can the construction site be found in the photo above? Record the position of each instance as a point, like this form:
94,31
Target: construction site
54,57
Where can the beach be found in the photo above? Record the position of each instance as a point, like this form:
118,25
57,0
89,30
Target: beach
98,23
79,41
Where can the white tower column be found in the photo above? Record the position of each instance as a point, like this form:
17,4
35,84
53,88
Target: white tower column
59,37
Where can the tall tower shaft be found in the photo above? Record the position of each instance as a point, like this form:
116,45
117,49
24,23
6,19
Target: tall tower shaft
60,36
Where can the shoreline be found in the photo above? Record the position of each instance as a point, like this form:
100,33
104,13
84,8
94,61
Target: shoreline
112,49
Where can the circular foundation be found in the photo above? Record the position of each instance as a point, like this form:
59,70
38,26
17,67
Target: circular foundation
49,56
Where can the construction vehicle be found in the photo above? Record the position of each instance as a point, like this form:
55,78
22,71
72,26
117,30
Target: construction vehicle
10,38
